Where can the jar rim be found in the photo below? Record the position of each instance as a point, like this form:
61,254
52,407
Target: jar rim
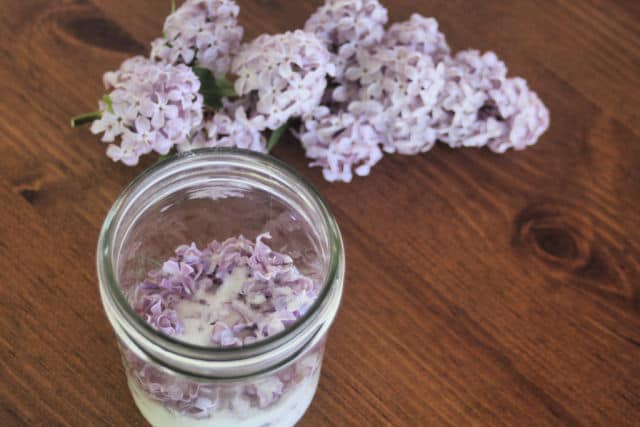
109,283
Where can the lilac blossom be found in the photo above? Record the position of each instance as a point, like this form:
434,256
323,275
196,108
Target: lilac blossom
281,76
470,77
274,295
419,34
401,87
526,117
358,90
348,26
200,32
188,398
266,391
202,400
224,336
223,130
466,101
341,143
481,106
150,107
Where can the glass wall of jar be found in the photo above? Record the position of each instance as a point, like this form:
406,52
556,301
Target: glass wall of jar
199,197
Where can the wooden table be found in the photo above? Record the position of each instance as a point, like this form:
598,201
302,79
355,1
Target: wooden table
482,289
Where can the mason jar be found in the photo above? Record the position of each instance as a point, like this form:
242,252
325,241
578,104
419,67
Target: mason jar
198,197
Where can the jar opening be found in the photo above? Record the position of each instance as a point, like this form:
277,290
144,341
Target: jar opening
214,194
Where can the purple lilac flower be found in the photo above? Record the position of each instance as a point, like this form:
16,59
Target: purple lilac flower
186,397
481,106
341,143
466,101
281,76
470,77
202,400
224,336
150,107
266,391
401,88
223,130
419,34
274,295
524,114
348,26
200,32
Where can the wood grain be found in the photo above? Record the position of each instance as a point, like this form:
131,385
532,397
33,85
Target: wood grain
481,289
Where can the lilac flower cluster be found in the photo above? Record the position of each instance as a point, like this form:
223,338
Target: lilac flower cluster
285,74
274,295
405,92
484,107
150,107
419,34
403,86
341,142
358,89
347,27
202,400
222,130
200,32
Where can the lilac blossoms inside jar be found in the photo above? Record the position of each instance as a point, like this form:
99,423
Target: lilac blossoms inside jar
221,272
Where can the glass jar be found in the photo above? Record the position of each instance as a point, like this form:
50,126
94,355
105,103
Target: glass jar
198,197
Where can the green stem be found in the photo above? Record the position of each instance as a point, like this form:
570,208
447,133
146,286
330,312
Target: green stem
107,100
173,6
275,136
85,118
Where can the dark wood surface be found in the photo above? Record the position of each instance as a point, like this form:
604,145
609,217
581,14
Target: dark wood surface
482,289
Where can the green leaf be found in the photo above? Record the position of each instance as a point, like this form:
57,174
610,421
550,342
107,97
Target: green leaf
208,87
211,89
225,87
275,136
